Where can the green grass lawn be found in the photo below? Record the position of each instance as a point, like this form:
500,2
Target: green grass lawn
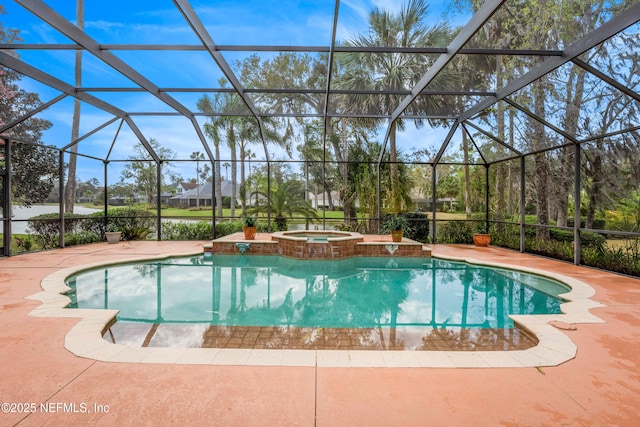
206,212
176,212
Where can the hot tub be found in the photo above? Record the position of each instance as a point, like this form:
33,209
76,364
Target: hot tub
317,243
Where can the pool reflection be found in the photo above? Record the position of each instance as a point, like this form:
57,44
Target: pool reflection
359,303
290,337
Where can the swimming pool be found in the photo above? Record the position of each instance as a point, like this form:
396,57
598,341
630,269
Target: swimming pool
377,303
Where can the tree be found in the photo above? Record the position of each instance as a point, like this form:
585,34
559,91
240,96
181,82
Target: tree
393,71
363,177
200,173
295,71
223,103
212,130
286,200
226,165
312,153
88,189
248,132
141,174
231,143
34,167
362,174
70,188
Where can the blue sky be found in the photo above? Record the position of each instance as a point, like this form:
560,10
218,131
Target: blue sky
159,22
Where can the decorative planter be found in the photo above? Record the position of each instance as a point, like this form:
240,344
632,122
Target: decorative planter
482,239
113,236
249,232
396,235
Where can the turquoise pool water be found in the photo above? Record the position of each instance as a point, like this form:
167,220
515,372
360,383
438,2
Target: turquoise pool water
274,291
315,236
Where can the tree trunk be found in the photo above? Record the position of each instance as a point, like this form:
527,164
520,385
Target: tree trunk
70,188
231,140
344,172
596,186
243,185
329,200
395,180
218,180
538,89
574,100
467,175
513,188
542,206
542,167
501,172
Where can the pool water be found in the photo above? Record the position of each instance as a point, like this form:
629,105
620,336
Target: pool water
314,237
272,291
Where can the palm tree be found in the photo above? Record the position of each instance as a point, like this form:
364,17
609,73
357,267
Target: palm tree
249,133
226,165
70,188
197,156
212,130
286,200
222,103
392,71
231,143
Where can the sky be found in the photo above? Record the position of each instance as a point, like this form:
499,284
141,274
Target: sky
254,22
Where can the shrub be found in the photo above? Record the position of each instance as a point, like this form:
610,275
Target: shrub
224,228
263,227
81,238
587,238
200,230
24,244
455,232
561,235
46,228
506,235
550,248
418,226
134,223
620,260
505,239
598,224
361,227
414,224
135,233
593,240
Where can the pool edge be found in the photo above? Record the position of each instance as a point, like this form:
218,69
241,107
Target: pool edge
86,340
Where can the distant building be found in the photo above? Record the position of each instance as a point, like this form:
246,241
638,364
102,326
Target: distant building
424,204
322,199
176,189
189,198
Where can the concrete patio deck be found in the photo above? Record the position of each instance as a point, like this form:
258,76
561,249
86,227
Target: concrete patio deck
600,387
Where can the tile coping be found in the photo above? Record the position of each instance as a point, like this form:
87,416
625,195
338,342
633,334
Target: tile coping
554,347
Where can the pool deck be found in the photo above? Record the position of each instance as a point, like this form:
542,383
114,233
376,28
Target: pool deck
600,386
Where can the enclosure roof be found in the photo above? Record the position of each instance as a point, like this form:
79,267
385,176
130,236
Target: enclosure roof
146,66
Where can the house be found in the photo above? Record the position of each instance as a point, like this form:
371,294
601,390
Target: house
200,195
203,192
423,204
320,200
176,189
